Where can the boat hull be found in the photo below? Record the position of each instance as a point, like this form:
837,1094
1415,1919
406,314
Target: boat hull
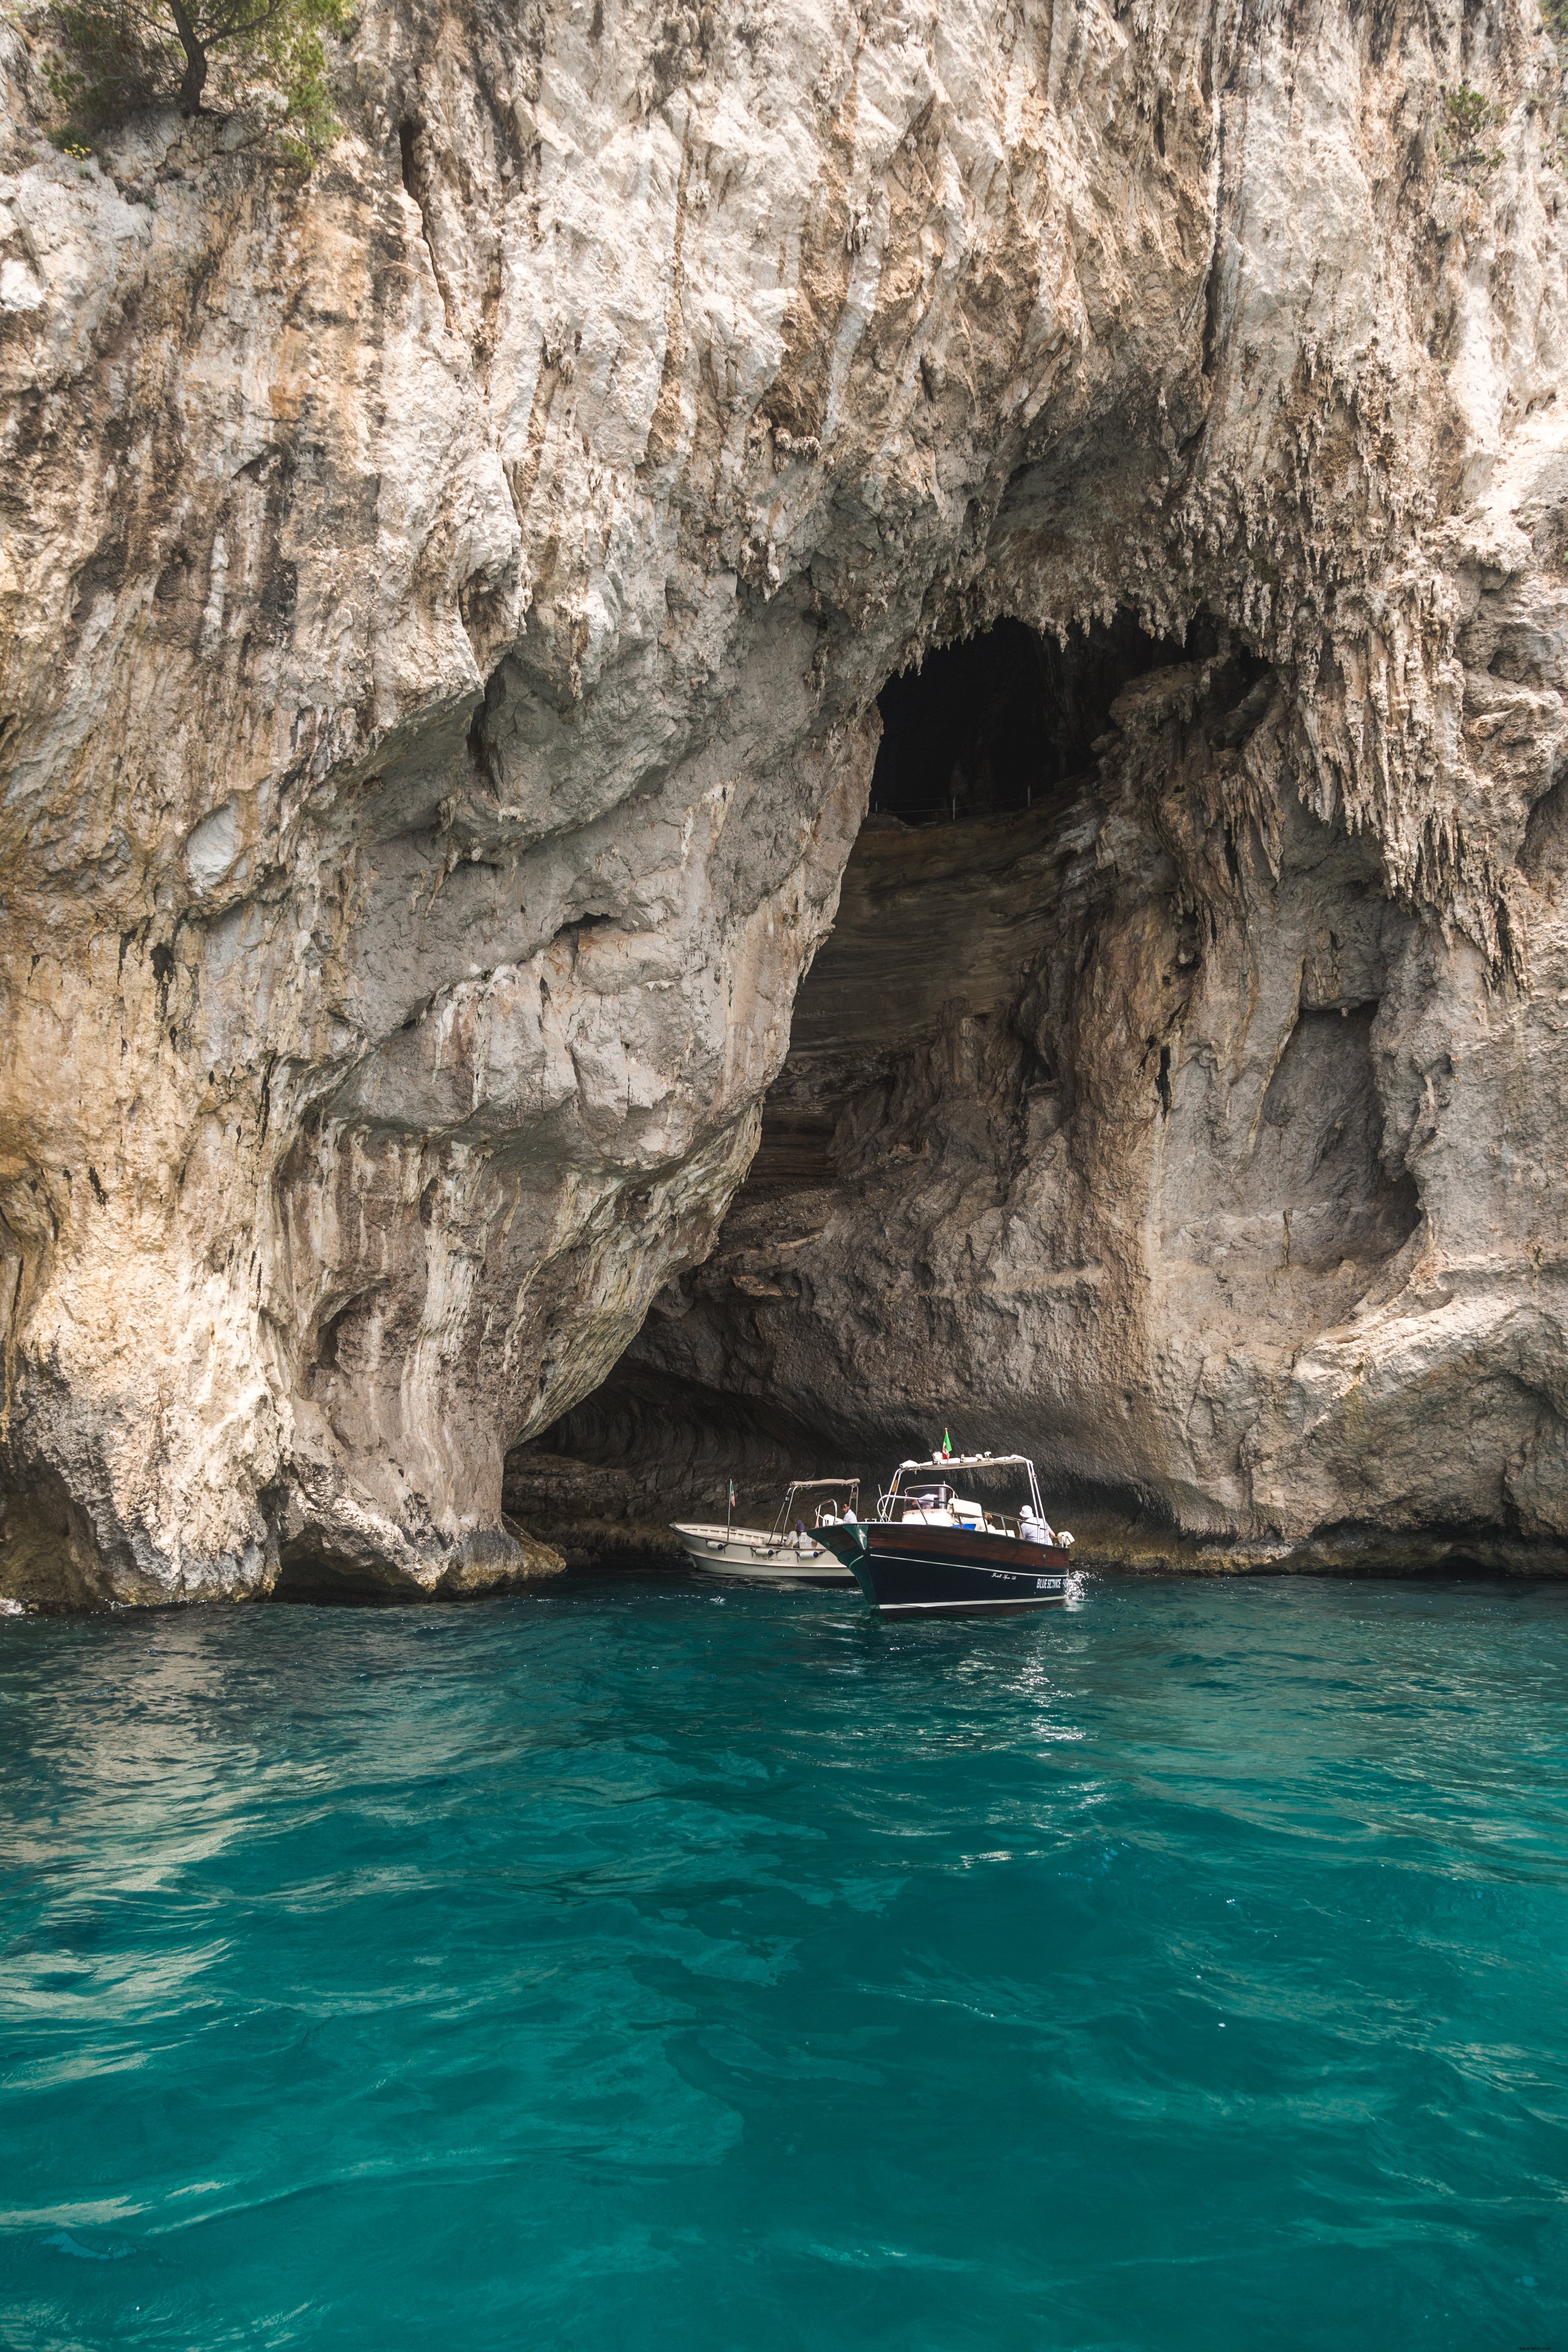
749,1556
915,1570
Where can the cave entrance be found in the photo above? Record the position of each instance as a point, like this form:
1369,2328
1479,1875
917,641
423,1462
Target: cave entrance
1000,721
1000,727
985,748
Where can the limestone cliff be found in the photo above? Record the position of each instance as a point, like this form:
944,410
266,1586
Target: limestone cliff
444,603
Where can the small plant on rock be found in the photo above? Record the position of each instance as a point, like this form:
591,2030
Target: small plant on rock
1467,116
113,56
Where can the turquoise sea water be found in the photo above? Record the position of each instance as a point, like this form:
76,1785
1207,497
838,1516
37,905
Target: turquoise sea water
643,1965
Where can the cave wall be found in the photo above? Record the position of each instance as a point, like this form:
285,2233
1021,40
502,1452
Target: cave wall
443,608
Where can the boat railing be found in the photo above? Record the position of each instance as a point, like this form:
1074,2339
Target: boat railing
895,1506
781,1532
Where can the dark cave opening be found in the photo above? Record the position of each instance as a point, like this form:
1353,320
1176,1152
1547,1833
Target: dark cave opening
1000,721
308,1575
1000,726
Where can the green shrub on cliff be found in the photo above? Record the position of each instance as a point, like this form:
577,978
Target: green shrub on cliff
264,56
1462,146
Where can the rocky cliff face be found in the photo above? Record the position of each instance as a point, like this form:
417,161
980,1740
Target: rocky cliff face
445,606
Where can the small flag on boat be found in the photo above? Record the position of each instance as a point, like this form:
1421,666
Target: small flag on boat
947,1444
731,1494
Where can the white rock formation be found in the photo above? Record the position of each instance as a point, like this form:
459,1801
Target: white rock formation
444,604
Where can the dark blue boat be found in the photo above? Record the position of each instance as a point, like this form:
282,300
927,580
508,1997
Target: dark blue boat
931,1552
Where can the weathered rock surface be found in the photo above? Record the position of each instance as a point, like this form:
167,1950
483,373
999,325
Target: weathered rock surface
443,609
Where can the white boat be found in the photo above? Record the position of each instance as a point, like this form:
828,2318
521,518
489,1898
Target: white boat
789,1553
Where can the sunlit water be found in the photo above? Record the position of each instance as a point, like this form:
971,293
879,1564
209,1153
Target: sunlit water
643,1966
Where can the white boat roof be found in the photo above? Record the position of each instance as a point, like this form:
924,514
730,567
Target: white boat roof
972,1462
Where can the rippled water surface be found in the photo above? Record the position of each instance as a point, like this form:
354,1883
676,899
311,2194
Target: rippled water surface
643,1965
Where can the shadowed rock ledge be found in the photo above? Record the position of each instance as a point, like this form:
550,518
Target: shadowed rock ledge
445,606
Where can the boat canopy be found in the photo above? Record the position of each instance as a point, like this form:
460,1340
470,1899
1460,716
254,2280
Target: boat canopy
971,1462
943,1463
811,1486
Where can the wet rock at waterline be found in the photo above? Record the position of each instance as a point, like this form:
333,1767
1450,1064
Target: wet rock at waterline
447,601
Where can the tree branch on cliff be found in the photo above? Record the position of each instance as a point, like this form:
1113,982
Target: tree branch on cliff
116,55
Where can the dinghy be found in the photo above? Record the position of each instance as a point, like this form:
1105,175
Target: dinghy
790,1552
